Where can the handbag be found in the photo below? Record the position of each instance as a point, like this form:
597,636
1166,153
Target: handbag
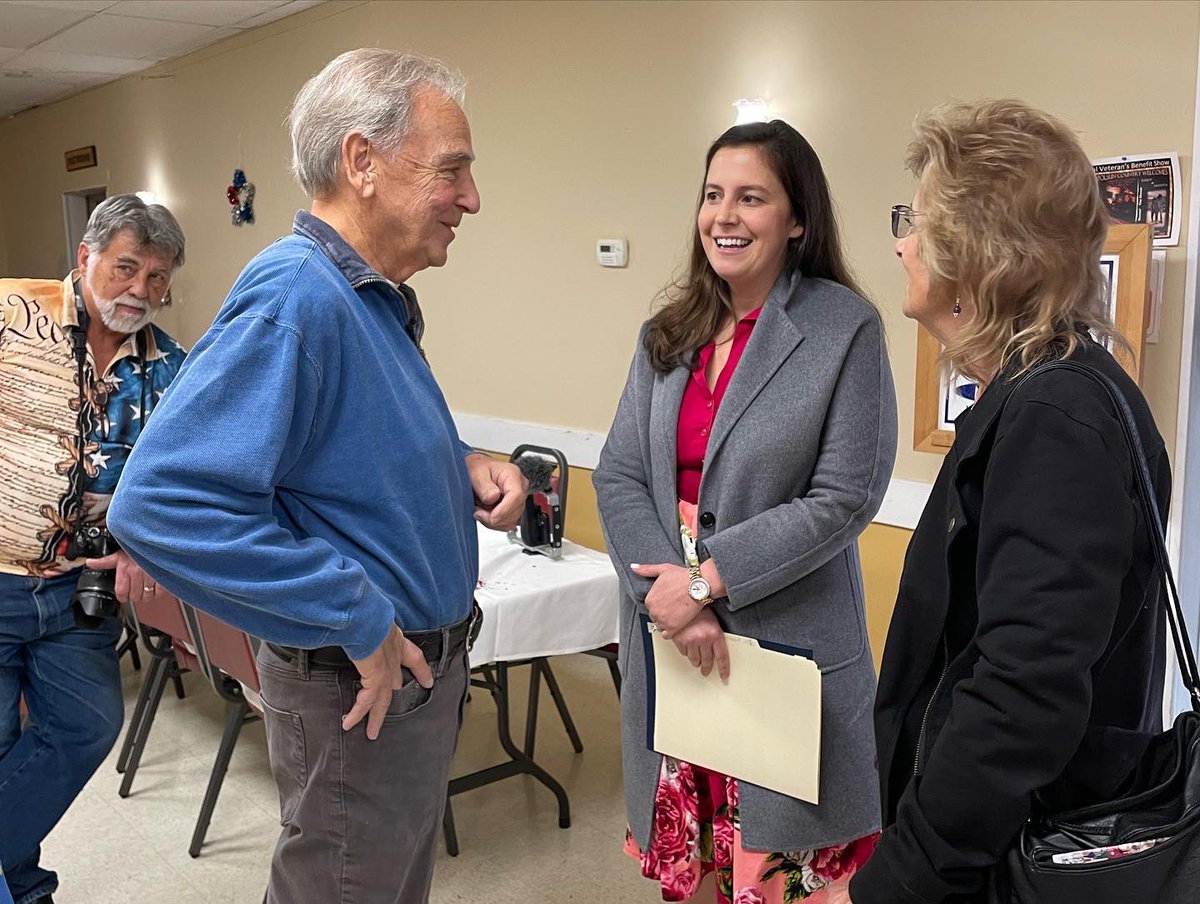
1144,846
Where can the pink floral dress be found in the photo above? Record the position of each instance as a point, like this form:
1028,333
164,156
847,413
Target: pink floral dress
697,831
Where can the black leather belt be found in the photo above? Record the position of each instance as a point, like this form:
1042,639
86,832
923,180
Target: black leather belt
454,640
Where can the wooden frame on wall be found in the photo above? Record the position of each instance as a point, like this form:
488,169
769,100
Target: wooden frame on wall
1126,257
80,158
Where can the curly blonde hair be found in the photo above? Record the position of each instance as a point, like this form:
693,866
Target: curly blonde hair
1011,217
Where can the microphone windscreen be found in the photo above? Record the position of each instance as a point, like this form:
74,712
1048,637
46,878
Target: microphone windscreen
537,471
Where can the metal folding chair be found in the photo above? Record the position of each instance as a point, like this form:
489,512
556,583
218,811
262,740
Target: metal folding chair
226,656
165,635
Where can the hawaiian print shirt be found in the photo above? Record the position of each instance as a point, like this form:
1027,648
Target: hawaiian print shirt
39,424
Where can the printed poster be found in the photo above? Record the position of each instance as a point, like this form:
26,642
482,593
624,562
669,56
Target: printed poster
1142,188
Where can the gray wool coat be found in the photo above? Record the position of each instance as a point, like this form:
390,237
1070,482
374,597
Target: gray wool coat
799,458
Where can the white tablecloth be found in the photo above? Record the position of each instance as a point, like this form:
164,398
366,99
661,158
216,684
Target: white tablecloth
537,606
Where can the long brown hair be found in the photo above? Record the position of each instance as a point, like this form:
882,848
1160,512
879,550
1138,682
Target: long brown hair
698,300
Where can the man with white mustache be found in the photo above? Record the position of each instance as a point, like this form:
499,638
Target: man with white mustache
81,370
126,314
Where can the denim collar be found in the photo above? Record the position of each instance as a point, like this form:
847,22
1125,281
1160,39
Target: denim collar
337,249
356,270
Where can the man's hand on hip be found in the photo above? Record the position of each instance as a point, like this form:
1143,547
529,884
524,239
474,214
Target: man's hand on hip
500,489
132,585
381,673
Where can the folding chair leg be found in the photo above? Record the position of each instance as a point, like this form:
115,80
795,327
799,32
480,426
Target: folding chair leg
177,679
561,703
157,680
233,727
448,830
139,712
128,644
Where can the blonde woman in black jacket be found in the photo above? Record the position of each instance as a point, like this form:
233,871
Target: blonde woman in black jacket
1023,665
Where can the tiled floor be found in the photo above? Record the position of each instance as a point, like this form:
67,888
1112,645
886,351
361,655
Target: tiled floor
108,850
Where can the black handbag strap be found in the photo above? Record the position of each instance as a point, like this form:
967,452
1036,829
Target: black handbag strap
1145,487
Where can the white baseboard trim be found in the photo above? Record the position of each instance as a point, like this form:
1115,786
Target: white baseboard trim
902,504
498,435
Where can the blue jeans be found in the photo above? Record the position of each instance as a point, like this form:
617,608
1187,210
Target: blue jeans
71,684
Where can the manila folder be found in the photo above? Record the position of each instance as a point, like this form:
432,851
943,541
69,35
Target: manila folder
763,726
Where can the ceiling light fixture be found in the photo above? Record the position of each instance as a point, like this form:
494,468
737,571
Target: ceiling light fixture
750,110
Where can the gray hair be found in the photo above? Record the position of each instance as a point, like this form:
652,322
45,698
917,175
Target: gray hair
151,224
369,90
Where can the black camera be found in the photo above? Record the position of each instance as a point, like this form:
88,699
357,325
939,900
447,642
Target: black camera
95,595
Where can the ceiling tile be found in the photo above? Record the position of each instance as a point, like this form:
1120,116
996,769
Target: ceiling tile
177,50
279,12
88,6
122,36
199,12
24,25
19,94
49,62
81,43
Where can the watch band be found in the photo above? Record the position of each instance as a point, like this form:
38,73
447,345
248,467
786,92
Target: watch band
692,557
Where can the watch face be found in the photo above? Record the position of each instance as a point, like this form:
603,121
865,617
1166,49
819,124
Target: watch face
698,589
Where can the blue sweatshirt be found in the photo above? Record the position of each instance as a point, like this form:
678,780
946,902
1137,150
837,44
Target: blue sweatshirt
302,478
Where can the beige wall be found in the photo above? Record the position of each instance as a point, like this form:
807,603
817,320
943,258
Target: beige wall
590,120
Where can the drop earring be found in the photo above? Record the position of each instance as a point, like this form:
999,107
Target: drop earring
957,307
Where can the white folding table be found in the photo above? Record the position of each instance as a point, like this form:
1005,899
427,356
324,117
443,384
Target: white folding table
533,607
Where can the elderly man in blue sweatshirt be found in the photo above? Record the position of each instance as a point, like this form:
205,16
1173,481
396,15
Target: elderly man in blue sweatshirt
303,480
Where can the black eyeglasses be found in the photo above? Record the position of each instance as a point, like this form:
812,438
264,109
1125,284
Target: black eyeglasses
902,220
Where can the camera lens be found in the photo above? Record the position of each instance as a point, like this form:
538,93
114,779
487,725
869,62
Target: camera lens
95,597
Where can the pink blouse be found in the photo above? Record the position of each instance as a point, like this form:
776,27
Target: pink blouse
698,409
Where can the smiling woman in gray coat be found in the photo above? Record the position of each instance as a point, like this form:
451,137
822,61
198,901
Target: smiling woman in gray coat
760,393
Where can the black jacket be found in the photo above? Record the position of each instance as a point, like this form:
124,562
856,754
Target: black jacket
1024,662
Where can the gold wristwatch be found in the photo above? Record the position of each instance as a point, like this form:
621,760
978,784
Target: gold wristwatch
698,588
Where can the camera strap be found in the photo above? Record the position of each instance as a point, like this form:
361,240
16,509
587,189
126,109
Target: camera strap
78,336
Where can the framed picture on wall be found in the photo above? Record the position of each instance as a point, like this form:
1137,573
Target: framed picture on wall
942,396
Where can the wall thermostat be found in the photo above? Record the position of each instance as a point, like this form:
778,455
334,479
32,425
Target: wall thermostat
610,252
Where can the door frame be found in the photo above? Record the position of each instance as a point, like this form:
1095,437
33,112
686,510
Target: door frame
1183,525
